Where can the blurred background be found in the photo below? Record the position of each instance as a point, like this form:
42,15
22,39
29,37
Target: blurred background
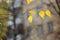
14,23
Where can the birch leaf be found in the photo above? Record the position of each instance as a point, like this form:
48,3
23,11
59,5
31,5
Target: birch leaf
30,19
41,14
29,1
48,13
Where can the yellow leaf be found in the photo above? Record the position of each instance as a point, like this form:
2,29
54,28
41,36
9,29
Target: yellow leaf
29,1
31,12
48,13
30,19
41,14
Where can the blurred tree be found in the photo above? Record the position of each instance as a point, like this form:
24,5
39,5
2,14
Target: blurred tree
58,3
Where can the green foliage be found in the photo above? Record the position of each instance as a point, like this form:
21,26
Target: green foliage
3,5
3,18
